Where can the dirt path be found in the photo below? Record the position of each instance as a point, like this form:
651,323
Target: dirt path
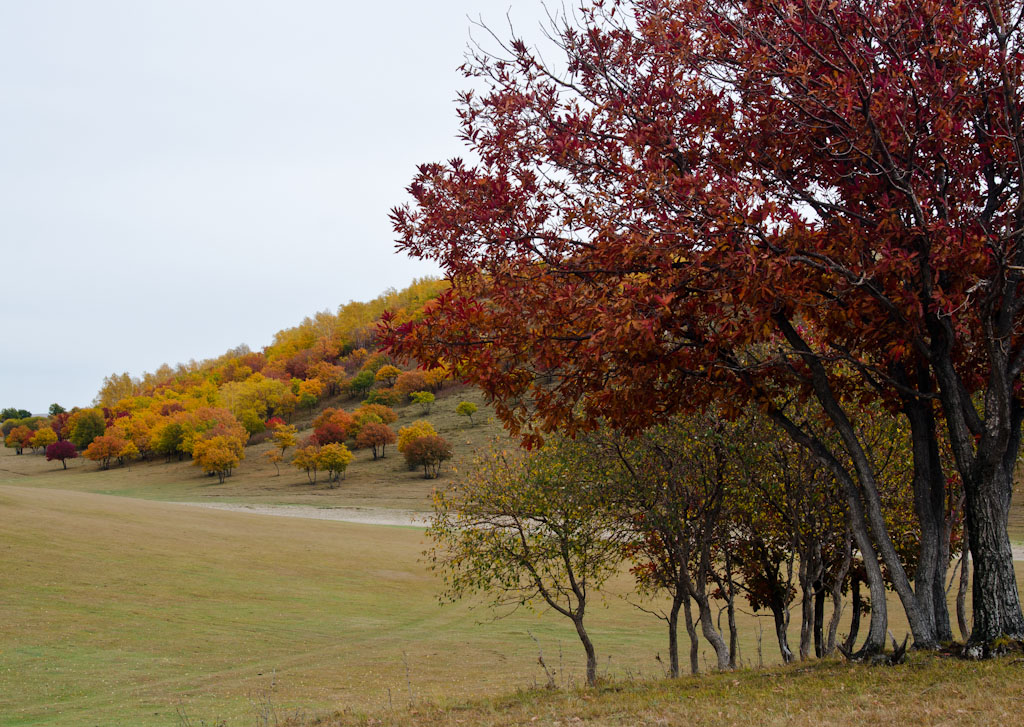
367,515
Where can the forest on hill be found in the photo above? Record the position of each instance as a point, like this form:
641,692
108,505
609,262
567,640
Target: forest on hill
210,410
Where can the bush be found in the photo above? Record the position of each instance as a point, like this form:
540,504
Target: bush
466,409
424,398
385,397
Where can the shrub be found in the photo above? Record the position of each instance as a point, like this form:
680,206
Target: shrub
424,398
386,414
385,397
466,409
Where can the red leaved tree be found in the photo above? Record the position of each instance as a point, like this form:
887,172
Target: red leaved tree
730,199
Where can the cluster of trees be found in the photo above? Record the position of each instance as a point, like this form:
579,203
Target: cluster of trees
326,449
220,403
708,511
812,210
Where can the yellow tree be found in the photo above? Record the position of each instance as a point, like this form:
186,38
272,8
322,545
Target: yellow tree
43,438
218,455
335,459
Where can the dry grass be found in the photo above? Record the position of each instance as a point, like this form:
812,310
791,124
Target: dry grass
928,690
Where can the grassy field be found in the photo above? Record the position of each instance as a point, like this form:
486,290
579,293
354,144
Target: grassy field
133,610
120,611
927,691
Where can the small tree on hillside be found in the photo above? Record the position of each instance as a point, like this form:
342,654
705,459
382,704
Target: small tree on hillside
307,459
217,455
19,438
375,436
85,426
104,448
335,459
387,375
428,452
424,398
43,438
62,450
284,436
466,409
361,383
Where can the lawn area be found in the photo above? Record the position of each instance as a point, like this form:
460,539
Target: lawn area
120,611
133,610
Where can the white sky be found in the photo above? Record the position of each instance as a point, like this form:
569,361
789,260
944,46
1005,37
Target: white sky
178,177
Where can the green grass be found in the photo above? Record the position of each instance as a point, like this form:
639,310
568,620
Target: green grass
117,611
127,610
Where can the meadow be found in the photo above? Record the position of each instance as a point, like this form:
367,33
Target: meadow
122,607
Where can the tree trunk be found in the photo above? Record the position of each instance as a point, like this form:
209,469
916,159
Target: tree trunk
855,603
837,595
961,591
985,451
878,626
673,636
781,616
712,634
865,507
995,599
930,506
806,610
691,631
588,646
819,618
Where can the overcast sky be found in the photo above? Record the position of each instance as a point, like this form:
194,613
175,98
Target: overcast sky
178,177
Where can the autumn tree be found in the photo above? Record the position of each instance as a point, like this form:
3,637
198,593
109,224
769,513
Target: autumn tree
424,398
104,448
62,450
284,436
376,436
755,195
419,428
116,387
218,454
85,425
385,413
43,438
387,375
526,531
429,452
307,459
333,425
19,438
334,458
466,409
